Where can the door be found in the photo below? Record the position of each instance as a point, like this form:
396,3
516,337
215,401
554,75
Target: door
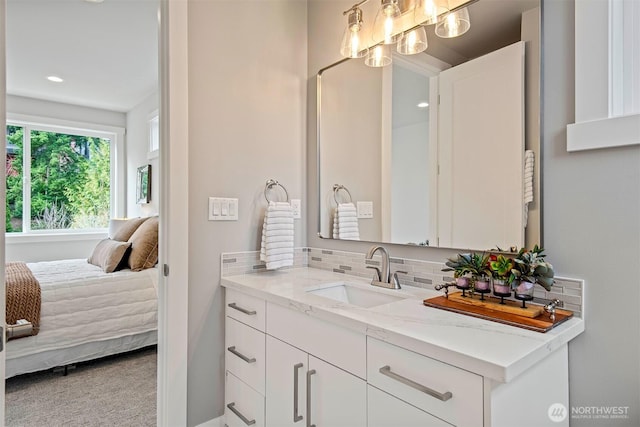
481,114
337,398
285,390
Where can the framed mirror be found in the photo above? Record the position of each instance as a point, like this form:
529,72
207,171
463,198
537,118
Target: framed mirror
440,148
143,184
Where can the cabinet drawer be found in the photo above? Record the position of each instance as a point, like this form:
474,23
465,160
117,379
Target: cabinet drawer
243,406
335,344
385,410
245,308
244,353
447,392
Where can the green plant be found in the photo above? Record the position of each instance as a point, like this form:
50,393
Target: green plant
461,265
479,265
501,268
530,266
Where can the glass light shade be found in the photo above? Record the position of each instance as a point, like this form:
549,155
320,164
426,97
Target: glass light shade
385,26
378,56
455,24
352,46
429,12
412,42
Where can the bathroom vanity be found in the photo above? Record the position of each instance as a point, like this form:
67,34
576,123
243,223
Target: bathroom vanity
309,347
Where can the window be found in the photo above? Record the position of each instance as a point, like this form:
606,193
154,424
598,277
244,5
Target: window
154,135
58,178
607,64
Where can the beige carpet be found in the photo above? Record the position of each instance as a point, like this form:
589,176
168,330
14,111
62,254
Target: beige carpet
114,391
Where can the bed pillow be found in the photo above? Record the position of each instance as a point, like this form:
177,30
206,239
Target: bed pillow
122,229
144,245
108,253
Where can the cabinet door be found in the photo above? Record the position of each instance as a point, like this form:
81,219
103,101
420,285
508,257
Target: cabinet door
285,384
337,398
385,410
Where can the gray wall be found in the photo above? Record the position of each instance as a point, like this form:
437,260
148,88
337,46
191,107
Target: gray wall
592,231
591,218
246,125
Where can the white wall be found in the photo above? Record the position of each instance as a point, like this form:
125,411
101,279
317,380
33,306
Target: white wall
591,210
137,150
246,125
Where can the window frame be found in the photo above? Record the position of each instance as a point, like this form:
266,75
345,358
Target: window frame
600,50
117,162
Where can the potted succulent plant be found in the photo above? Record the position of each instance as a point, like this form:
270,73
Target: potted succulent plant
530,268
480,273
501,270
462,268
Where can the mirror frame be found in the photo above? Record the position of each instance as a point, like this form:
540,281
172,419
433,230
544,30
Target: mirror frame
540,152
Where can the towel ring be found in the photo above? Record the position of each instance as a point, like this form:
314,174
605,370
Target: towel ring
338,187
270,183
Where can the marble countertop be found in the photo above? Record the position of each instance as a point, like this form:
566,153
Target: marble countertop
493,350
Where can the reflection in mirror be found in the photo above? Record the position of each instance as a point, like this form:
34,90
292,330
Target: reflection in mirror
432,148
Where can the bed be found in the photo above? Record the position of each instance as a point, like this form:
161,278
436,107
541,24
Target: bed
87,313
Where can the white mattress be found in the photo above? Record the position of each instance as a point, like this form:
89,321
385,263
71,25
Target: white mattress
82,304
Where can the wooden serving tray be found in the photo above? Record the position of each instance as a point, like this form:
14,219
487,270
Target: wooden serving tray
487,310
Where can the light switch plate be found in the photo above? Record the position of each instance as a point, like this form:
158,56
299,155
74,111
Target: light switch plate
296,207
365,209
223,209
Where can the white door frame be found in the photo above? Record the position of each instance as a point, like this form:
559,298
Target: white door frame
3,186
174,215
172,291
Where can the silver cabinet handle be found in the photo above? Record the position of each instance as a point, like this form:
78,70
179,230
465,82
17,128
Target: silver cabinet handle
233,350
247,421
240,309
296,416
386,370
309,373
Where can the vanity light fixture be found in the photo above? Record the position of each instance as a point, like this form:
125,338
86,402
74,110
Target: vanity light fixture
352,46
400,22
385,26
455,24
378,56
429,12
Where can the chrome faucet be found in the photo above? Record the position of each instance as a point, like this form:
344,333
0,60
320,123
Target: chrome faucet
383,278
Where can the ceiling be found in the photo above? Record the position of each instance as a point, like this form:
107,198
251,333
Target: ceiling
107,53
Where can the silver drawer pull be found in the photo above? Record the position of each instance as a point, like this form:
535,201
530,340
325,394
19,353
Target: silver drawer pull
247,421
242,310
386,370
309,373
296,416
233,350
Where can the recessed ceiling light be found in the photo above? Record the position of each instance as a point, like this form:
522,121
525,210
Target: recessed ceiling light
423,104
94,1
55,79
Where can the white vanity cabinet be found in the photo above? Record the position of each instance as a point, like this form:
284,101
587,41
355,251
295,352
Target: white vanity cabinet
303,390
244,360
287,366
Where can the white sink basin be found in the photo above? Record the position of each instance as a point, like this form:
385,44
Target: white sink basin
354,295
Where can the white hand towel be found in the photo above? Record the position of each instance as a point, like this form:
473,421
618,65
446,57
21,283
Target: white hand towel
529,159
276,248
345,224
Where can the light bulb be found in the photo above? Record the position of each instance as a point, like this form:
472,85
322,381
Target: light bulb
455,24
351,46
412,42
385,25
378,56
429,12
